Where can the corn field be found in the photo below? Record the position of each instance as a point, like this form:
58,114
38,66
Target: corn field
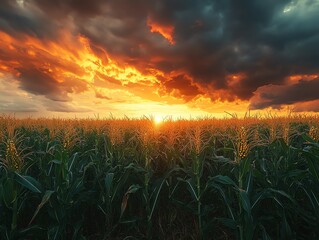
252,178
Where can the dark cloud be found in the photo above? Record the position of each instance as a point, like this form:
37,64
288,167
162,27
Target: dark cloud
186,88
266,41
18,17
277,95
40,83
65,7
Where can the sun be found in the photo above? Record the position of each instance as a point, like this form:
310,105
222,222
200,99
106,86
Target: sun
158,120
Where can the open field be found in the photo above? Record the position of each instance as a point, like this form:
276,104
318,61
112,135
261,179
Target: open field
137,179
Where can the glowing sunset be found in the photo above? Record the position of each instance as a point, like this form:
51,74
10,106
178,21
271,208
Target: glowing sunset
180,58
159,119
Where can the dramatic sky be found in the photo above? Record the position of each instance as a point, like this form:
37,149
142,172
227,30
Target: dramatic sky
161,57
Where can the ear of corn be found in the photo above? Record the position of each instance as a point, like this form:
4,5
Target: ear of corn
12,158
314,133
242,144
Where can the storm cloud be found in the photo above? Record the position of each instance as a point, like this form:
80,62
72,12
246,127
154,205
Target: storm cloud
278,95
225,50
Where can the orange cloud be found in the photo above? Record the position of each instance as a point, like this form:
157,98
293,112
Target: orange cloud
296,78
65,68
70,69
166,31
68,65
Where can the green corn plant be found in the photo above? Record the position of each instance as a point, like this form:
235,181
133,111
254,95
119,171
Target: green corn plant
146,185
310,152
246,227
112,193
15,190
237,200
276,170
147,188
14,183
111,177
65,181
195,183
241,191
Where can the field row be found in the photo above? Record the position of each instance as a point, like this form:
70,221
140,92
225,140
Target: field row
137,179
